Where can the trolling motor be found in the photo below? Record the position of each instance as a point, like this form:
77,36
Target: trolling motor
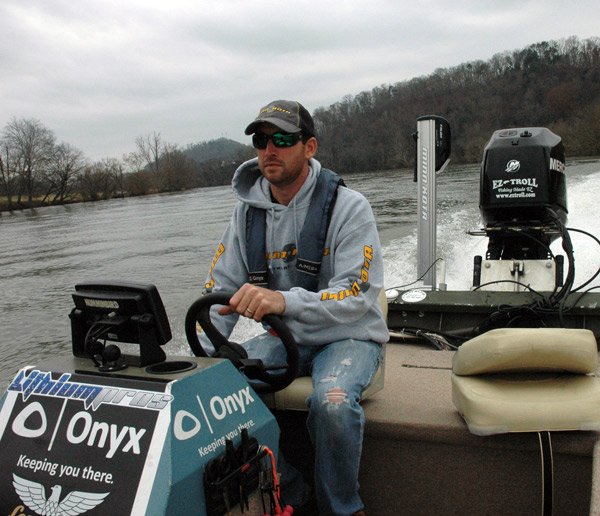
432,149
523,204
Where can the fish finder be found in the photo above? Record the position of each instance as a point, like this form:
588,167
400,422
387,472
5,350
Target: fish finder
118,312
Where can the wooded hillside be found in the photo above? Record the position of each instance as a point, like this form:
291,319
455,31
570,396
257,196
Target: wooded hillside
554,84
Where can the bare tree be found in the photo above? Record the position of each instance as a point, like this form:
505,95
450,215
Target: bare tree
133,162
97,181
62,172
169,167
137,183
150,149
32,146
6,174
176,171
114,169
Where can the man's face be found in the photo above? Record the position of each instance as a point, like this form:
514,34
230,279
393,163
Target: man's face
283,166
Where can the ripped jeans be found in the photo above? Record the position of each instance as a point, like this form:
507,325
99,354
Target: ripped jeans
340,371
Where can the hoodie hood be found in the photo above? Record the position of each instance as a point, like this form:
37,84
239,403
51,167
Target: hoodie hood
250,187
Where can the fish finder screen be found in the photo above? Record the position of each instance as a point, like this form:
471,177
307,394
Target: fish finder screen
119,312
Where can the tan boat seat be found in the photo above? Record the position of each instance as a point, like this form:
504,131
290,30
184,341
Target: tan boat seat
527,380
294,396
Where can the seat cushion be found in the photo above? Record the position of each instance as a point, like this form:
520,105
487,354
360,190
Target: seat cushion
528,349
492,404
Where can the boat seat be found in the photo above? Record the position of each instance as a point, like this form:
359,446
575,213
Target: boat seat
527,380
294,396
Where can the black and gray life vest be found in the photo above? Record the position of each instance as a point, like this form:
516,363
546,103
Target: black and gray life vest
311,244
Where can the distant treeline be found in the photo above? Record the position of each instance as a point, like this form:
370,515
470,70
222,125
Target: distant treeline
554,84
35,170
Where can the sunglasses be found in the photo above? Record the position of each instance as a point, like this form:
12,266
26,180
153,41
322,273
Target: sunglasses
260,140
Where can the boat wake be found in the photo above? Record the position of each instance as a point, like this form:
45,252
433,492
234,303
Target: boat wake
457,248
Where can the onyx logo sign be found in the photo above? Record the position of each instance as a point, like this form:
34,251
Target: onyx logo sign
81,429
69,443
187,425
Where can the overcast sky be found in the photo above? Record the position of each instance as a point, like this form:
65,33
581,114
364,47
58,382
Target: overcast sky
99,73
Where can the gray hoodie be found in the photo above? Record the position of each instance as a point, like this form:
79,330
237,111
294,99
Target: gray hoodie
351,277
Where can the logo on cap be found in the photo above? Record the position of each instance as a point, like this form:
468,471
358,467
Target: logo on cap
270,109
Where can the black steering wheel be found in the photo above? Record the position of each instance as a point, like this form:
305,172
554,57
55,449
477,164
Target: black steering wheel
254,369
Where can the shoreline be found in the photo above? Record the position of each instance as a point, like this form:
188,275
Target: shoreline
37,203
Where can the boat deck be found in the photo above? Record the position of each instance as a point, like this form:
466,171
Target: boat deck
420,458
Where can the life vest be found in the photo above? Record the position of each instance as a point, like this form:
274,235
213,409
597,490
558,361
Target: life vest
311,244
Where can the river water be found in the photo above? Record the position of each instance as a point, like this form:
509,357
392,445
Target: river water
169,240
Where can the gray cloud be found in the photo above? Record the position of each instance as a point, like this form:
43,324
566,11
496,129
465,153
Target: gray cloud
100,73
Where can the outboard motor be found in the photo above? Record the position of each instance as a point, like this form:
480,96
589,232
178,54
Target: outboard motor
522,192
523,204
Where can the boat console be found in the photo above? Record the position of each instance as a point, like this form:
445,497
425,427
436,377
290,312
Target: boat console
141,433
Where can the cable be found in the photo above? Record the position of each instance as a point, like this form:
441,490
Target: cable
582,295
551,304
527,286
554,304
275,486
531,237
95,332
598,270
418,279
559,298
439,340
547,463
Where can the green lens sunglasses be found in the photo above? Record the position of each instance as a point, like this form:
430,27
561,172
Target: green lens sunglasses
260,140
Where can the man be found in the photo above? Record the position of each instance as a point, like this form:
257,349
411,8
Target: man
301,246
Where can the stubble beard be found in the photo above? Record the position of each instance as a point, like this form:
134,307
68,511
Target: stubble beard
276,173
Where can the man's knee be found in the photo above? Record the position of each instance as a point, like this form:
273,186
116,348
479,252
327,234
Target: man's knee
336,395
332,403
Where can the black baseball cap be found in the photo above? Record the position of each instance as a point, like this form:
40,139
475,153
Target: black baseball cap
289,115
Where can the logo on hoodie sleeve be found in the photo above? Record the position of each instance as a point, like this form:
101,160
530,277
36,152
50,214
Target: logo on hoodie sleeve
209,285
358,285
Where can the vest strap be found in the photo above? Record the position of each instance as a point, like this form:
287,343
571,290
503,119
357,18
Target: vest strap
256,224
311,244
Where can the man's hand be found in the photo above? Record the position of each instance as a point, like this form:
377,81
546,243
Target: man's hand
255,302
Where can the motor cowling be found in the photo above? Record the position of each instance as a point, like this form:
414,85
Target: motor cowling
523,174
522,191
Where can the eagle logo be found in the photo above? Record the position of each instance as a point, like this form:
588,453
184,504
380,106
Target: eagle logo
33,495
